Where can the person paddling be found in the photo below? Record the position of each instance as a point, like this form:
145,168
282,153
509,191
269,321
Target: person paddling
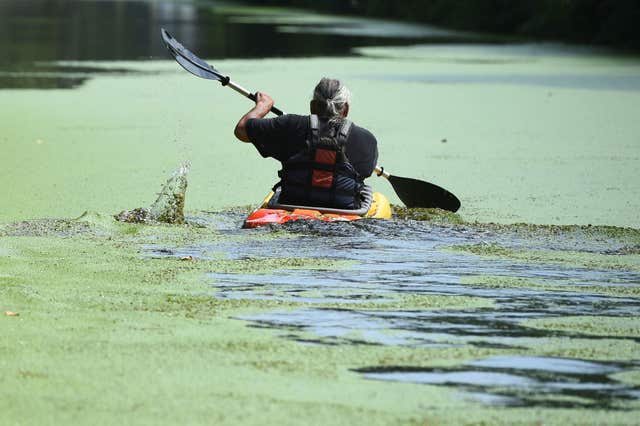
332,103
325,157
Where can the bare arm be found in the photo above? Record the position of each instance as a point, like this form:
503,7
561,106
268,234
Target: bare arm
262,108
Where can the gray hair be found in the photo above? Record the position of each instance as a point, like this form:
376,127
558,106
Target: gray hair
331,96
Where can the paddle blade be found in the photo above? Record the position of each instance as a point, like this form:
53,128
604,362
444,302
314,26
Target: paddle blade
417,193
188,60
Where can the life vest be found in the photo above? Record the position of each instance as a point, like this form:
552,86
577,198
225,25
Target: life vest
321,175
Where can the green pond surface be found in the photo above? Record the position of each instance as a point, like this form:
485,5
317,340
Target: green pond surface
541,139
522,308
388,322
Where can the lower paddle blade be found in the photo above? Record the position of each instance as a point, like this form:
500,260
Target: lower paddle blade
417,193
188,60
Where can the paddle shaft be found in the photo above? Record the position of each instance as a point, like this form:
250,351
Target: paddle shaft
196,66
380,172
244,92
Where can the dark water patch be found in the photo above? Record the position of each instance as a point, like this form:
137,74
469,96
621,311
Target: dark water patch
551,365
613,82
486,327
529,381
77,30
300,23
403,287
17,81
83,68
58,75
509,52
50,30
444,227
623,250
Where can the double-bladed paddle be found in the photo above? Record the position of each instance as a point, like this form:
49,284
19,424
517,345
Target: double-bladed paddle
412,192
200,68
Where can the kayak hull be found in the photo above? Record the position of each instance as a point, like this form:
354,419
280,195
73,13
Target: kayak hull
263,215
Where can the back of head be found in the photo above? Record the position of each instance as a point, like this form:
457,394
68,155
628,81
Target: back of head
330,99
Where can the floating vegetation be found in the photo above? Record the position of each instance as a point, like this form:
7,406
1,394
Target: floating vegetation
527,316
427,215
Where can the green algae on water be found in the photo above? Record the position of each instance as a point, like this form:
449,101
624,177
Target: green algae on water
497,282
527,166
438,216
623,262
119,319
591,325
631,377
605,349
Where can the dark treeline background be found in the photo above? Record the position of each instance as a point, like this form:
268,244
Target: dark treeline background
606,22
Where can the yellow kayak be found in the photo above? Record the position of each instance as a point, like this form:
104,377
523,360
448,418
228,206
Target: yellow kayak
375,206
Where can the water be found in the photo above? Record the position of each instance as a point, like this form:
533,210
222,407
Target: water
36,35
622,83
525,381
168,207
567,154
549,159
400,259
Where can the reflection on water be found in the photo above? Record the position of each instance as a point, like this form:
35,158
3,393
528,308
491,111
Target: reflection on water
59,75
301,23
396,259
524,381
35,31
36,35
630,82
48,30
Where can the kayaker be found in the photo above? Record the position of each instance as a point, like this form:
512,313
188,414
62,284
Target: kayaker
325,159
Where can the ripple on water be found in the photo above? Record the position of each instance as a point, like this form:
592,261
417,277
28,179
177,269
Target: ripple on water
398,260
523,381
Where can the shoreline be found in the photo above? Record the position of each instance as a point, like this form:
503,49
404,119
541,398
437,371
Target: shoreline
572,21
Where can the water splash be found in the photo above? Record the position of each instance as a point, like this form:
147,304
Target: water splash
168,207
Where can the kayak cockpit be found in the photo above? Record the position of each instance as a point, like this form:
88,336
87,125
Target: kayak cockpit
270,211
367,199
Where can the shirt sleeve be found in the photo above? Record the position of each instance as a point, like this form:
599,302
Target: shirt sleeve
268,135
371,160
364,153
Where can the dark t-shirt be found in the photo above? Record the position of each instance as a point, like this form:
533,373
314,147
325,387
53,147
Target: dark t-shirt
284,136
